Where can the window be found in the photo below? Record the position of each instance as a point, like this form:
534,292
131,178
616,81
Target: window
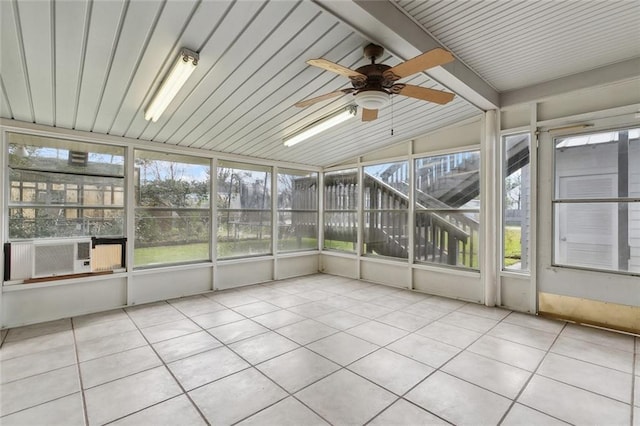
297,210
386,206
341,210
597,201
62,188
172,209
244,210
447,203
516,202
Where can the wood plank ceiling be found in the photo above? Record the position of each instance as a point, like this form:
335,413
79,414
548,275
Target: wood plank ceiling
94,65
518,43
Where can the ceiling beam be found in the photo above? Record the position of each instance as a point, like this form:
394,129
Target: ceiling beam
608,74
383,23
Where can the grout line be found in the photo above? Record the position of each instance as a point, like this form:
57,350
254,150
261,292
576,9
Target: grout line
533,374
82,396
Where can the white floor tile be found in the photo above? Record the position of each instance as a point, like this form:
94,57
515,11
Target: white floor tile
519,415
154,314
255,309
175,411
102,346
484,311
521,356
449,334
102,329
119,398
98,317
206,367
101,370
263,347
523,335
604,381
34,390
37,363
425,350
288,301
369,310
36,344
235,331
573,405
278,319
377,333
457,401
195,305
288,412
606,338
444,303
470,322
313,309
231,299
307,331
169,330
342,348
594,353
403,413
65,411
536,322
487,373
214,319
339,398
297,369
341,320
390,370
236,397
36,330
184,346
404,321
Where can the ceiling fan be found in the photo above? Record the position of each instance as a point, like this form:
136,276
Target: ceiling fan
373,84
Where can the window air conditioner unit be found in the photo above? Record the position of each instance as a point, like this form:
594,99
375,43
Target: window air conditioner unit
61,257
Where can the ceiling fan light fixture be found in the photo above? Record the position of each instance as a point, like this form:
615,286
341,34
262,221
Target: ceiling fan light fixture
372,99
321,125
184,65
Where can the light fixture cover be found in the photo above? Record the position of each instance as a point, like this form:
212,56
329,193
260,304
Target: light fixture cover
180,71
372,99
321,125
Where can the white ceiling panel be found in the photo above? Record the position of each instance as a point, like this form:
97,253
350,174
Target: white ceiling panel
14,71
94,66
518,43
70,24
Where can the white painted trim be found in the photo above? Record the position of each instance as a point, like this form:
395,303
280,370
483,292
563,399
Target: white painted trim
213,200
274,221
171,268
445,270
621,71
57,132
411,216
533,207
82,280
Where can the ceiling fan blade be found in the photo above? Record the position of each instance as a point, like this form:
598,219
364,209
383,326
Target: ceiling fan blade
333,67
431,95
369,114
321,98
427,60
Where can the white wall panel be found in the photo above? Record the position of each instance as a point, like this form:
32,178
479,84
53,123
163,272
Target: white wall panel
33,303
388,273
515,293
295,266
165,283
243,272
449,138
339,265
454,284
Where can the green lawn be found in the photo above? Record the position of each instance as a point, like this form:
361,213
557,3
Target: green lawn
200,251
512,248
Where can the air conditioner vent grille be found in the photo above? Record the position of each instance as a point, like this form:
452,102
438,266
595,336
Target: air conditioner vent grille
84,251
53,259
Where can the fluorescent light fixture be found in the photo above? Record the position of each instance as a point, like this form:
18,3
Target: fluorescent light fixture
321,125
180,71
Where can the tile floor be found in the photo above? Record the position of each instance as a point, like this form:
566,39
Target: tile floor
317,350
